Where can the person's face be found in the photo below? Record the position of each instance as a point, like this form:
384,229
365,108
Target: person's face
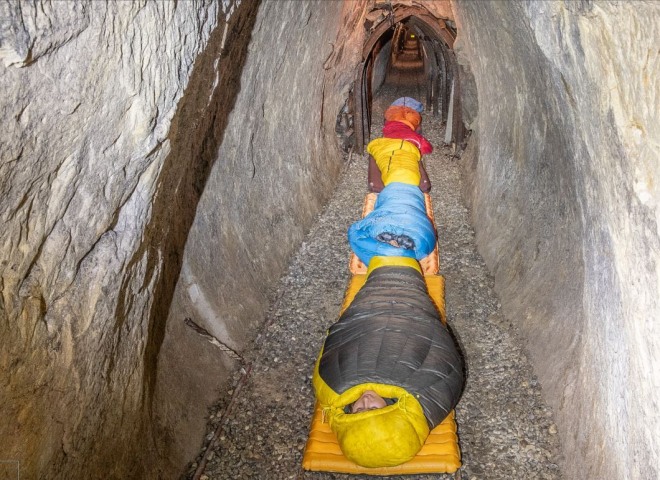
369,400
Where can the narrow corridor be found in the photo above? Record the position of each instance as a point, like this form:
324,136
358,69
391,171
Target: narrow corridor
505,429
176,190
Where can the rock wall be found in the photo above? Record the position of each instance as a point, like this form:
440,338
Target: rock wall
96,102
133,130
563,182
276,166
90,94
382,64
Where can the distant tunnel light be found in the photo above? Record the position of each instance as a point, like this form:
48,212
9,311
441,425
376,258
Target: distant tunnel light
412,35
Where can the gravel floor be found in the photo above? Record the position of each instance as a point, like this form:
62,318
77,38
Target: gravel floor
506,431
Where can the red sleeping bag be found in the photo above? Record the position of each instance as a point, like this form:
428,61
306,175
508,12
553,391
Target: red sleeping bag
400,130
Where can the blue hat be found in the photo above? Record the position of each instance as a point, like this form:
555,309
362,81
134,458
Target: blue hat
409,102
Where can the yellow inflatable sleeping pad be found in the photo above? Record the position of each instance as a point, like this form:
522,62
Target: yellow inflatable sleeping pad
429,264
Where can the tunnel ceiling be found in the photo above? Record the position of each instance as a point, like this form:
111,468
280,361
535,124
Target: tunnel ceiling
438,35
419,15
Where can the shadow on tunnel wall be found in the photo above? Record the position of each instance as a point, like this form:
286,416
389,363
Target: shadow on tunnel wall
196,134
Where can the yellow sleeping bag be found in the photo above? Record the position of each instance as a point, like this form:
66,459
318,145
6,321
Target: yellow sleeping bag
398,349
399,429
440,452
397,160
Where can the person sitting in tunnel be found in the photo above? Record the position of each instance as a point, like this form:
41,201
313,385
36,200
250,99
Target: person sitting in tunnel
389,370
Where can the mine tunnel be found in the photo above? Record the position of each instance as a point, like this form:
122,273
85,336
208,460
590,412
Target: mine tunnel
176,184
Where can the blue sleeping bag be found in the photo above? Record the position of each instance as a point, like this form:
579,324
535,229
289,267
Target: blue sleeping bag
409,102
397,227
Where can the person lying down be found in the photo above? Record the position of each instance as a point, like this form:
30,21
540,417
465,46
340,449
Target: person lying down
389,370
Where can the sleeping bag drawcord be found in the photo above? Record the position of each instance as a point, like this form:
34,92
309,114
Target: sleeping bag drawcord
392,155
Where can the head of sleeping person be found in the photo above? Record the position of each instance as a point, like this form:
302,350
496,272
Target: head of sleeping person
369,400
380,428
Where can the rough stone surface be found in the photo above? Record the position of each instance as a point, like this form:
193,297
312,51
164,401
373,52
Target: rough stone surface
90,91
562,182
276,166
117,116
505,429
135,130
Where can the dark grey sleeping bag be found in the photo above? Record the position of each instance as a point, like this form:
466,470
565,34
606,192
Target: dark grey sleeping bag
392,334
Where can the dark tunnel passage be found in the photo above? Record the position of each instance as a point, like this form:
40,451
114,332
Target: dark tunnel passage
400,61
421,49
